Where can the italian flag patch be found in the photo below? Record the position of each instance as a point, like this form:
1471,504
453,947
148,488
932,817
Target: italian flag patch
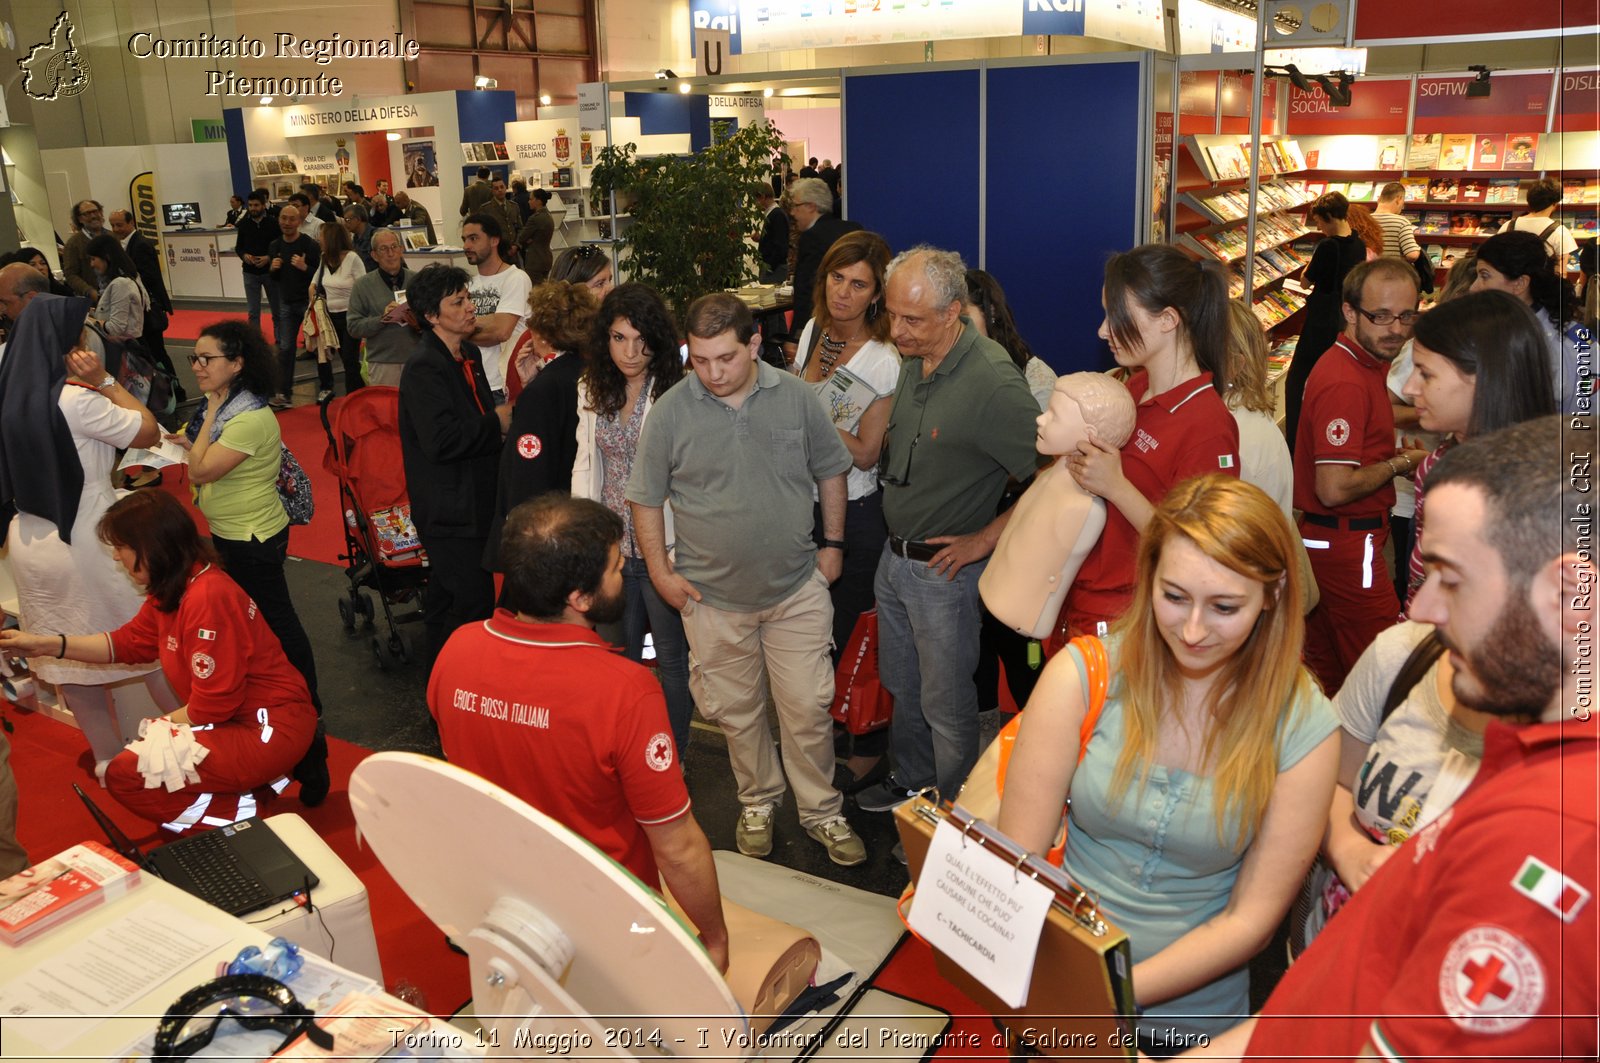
1550,889
1225,461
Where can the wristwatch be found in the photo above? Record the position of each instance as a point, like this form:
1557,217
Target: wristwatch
109,381
837,544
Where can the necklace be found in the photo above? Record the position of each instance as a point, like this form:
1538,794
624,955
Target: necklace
832,349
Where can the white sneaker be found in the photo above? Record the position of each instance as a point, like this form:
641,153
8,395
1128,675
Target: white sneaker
844,847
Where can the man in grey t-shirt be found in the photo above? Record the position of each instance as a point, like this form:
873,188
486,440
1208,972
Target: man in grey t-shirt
737,447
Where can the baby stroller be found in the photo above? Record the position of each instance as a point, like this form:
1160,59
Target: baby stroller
381,543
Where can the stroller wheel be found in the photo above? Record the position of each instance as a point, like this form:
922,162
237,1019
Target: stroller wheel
366,608
347,614
387,658
400,646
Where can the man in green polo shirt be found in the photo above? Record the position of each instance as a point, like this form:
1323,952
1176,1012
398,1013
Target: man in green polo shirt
737,447
961,423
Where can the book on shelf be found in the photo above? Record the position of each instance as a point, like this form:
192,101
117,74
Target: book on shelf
1591,192
1416,189
1521,151
1391,151
1502,190
1464,223
1434,223
1341,187
1291,150
1442,190
1315,189
1423,153
1435,253
62,887
1487,150
1360,191
1228,162
1582,226
1456,152
1572,190
1489,224
1471,190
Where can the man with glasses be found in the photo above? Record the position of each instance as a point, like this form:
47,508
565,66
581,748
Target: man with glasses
961,423
379,314
88,222
1345,464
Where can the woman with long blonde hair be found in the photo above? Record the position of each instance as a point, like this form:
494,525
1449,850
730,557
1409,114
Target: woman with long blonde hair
1204,787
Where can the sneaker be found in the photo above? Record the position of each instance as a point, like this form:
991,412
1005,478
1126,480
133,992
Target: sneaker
279,401
844,848
884,796
324,395
753,835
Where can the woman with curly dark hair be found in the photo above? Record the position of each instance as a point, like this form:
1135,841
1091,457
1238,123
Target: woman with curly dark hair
541,444
633,360
235,453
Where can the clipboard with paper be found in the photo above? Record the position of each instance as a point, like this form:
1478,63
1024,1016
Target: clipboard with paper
1080,999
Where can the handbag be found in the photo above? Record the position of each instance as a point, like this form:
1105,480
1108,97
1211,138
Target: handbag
860,703
294,489
986,783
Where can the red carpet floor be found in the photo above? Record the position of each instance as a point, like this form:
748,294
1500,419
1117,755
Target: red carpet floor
48,757
185,325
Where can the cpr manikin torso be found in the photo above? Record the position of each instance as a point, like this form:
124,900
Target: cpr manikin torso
1056,523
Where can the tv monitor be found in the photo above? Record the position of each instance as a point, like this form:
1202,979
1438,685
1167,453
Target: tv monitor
181,214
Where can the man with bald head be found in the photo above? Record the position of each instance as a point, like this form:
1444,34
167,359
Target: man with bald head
19,283
378,314
416,214
294,257
961,423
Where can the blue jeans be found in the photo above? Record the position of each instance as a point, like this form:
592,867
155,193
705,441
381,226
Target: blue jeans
927,650
287,323
254,285
643,608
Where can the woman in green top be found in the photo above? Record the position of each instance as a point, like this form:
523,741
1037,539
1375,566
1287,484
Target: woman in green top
1204,788
235,453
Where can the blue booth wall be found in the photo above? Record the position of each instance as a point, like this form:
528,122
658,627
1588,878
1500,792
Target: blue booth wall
1034,172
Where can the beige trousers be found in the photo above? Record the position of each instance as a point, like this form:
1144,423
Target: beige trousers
734,657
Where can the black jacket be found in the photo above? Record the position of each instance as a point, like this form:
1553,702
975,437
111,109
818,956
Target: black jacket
774,245
813,245
542,445
449,441
147,260
255,236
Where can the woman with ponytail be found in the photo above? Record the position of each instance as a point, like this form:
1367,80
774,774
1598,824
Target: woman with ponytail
1167,324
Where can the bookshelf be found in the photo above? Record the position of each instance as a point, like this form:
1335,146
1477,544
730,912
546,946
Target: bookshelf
1212,217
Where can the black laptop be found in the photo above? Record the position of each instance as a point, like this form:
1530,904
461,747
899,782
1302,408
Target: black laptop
239,868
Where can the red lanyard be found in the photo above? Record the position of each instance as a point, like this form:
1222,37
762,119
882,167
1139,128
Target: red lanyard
472,384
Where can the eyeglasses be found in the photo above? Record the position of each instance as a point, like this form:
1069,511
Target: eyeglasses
1384,317
203,360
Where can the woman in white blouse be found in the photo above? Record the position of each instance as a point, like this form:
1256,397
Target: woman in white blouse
340,269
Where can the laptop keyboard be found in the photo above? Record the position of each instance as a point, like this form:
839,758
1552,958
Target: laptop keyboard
219,877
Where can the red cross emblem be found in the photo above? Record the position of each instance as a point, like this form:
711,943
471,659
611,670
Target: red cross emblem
1491,981
1338,431
529,446
658,752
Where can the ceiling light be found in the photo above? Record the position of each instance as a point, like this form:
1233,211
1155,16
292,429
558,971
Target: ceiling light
683,86
266,101
481,82
544,99
767,93
392,136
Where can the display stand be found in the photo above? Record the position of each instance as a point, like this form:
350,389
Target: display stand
567,950
1213,214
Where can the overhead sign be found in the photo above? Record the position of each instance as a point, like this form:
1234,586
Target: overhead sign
711,52
1433,19
716,15
592,105
208,130
770,25
1375,107
303,120
1515,101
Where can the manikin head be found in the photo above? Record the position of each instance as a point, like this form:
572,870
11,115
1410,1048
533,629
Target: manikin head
1083,403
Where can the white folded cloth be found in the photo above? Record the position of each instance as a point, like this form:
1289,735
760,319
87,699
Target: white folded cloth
168,754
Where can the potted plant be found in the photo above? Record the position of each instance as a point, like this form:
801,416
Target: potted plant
692,215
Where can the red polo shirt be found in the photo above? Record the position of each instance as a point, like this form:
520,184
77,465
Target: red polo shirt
1183,432
1477,938
1345,420
553,714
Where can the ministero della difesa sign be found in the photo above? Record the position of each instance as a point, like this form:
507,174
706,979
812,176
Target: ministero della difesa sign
287,47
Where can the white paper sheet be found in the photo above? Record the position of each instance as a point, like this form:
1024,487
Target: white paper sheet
159,456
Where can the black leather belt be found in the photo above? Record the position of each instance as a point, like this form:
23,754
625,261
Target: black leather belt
912,550
1345,523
